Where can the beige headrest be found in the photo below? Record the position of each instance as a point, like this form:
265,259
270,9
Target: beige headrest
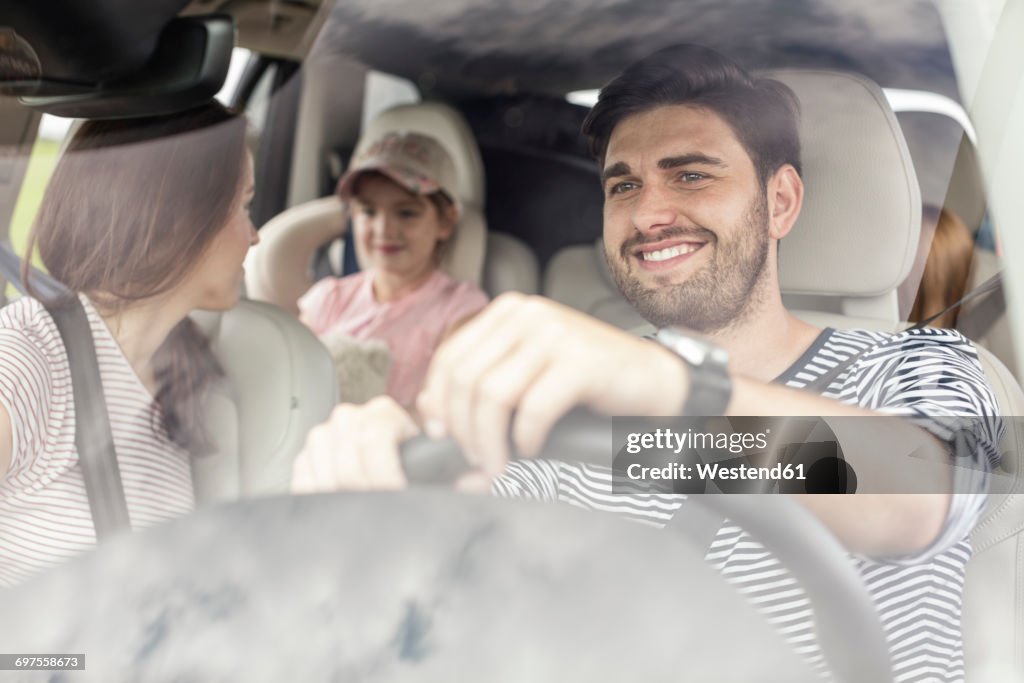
858,230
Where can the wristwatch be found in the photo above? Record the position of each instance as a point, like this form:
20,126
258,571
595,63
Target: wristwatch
710,386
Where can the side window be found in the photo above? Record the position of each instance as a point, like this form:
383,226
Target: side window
959,246
239,59
381,92
258,106
52,133
258,100
384,91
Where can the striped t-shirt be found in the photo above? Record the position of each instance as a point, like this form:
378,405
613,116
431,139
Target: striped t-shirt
920,374
44,511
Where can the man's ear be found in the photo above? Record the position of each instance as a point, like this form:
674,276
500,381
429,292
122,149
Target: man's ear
785,193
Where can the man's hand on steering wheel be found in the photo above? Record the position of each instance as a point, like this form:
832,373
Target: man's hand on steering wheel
524,362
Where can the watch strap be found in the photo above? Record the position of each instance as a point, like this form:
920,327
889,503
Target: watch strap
709,391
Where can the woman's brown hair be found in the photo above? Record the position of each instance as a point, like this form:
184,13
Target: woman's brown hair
131,207
947,269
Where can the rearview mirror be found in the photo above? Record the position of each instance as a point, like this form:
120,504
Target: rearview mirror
187,67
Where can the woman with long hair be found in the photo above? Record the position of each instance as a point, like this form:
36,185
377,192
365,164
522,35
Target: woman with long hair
144,220
947,268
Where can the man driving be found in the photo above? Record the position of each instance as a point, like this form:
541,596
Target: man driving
700,166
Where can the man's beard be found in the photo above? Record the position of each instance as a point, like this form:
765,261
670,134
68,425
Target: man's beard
717,296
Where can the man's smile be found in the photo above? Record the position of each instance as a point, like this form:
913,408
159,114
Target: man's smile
666,254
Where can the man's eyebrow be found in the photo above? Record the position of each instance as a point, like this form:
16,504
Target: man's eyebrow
687,159
619,168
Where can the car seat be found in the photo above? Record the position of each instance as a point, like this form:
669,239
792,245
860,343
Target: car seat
862,192
279,383
278,269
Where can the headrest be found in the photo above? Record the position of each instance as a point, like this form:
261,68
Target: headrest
464,258
858,230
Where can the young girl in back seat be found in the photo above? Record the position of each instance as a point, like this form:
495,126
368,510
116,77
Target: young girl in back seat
402,200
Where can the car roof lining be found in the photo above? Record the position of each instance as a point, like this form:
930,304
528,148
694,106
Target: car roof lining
451,48
284,30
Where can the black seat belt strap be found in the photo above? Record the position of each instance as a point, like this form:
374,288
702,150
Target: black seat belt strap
10,270
976,322
93,438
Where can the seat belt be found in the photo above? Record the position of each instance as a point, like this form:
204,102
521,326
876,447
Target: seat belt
93,438
10,269
993,286
977,322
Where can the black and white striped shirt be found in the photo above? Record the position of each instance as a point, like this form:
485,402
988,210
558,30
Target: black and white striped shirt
919,374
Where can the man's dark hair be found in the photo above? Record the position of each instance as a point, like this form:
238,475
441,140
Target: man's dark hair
762,112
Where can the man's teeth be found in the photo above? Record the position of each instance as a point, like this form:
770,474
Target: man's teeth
670,252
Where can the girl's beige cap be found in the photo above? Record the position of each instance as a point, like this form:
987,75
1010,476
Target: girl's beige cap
416,162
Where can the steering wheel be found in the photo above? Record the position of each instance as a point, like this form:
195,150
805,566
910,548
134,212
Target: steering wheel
848,625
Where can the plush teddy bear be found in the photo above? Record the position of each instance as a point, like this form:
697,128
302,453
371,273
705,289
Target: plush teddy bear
362,366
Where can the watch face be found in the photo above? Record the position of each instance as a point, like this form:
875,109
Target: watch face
693,351
720,355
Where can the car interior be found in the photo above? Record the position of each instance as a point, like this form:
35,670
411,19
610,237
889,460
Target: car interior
862,192
320,79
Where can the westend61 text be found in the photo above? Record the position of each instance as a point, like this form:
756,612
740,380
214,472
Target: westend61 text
709,471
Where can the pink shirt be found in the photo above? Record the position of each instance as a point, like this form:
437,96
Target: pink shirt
412,326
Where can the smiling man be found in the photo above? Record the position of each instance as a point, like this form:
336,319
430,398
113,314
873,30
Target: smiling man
700,165
712,279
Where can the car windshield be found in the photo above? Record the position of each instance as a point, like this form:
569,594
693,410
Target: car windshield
391,206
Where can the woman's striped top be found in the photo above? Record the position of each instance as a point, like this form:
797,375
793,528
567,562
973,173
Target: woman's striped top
44,511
